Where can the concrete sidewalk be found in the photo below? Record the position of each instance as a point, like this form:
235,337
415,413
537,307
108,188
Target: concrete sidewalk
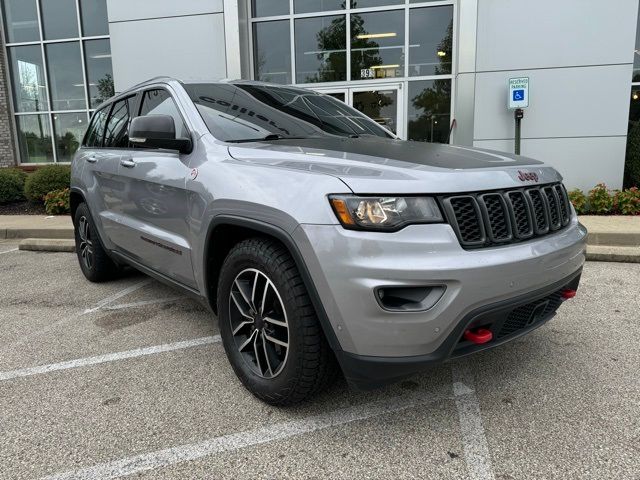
36,226
614,239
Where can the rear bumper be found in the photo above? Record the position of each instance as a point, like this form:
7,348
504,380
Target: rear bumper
506,320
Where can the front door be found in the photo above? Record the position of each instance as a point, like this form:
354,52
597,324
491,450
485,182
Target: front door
382,103
154,213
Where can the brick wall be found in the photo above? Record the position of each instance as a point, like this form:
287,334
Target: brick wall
7,147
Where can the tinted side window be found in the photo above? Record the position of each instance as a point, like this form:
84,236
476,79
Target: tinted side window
117,130
95,133
159,102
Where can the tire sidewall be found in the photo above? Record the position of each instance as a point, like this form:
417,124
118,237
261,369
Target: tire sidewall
235,263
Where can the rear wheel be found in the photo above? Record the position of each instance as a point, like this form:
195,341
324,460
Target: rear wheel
269,328
94,261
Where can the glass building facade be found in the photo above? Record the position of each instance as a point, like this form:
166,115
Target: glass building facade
59,59
391,59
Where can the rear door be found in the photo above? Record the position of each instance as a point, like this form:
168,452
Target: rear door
153,216
101,174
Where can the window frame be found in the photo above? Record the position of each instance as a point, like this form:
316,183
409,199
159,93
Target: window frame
140,101
404,80
112,104
49,112
92,120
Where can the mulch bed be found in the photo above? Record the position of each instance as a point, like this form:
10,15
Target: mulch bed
22,208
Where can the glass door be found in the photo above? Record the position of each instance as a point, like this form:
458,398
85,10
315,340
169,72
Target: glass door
383,103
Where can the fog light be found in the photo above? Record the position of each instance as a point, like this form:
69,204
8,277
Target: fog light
409,299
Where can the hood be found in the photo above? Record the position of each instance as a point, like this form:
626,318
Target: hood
378,165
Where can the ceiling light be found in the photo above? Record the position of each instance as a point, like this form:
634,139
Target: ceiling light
442,53
376,35
375,67
635,95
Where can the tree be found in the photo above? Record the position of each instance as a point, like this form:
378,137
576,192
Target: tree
105,88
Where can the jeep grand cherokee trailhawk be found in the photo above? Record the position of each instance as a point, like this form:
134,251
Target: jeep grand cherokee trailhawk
321,241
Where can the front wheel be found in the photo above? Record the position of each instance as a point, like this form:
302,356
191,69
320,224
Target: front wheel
269,328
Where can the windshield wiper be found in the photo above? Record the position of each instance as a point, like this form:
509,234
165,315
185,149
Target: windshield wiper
270,137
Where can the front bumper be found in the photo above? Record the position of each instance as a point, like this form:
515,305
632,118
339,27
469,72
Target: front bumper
347,266
366,372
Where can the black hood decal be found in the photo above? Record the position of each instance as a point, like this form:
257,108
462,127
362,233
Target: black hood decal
380,150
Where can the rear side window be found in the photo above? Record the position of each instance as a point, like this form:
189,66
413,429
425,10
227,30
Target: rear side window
159,102
117,130
95,132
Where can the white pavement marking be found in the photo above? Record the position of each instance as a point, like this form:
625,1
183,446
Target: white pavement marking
117,295
9,251
476,450
142,303
109,357
236,441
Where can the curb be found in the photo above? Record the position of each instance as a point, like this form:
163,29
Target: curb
617,239
47,245
608,253
33,233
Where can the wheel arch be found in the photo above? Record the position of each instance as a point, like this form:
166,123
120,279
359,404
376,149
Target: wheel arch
76,197
225,231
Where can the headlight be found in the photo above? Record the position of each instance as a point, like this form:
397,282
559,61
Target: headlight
384,213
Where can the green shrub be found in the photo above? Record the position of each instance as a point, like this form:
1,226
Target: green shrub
11,184
45,180
579,201
627,202
57,202
600,200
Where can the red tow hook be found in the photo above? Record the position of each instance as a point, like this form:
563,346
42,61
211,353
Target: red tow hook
478,336
568,294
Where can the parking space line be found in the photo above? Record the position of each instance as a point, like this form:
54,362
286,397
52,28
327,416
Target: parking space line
117,295
476,449
142,303
236,441
9,251
109,357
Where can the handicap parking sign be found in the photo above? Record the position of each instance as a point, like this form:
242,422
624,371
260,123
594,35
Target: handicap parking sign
518,92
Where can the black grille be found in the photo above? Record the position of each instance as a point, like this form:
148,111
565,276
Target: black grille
523,224
540,210
530,314
467,218
495,218
554,207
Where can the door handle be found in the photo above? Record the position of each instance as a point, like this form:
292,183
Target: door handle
91,159
128,163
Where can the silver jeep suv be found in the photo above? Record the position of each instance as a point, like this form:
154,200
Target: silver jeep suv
321,241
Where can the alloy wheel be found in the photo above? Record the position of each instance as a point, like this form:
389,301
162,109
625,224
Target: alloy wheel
86,244
259,323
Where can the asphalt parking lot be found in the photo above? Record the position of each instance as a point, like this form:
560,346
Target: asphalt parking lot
129,378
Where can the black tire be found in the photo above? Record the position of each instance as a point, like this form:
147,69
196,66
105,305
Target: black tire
309,365
100,268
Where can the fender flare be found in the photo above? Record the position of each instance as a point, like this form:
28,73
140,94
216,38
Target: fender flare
286,239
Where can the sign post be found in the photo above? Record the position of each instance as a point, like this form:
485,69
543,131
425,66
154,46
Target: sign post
518,99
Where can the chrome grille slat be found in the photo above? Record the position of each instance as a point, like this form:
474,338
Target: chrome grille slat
484,219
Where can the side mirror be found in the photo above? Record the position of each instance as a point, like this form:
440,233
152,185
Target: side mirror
157,131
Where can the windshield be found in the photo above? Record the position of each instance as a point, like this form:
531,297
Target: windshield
243,112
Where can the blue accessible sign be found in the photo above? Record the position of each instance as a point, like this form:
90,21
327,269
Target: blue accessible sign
518,92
